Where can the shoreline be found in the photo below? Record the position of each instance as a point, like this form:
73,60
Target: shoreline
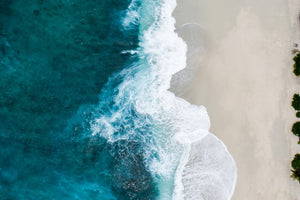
245,81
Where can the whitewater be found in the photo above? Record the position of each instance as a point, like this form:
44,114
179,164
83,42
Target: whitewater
185,160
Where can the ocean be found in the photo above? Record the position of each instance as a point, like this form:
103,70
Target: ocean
85,106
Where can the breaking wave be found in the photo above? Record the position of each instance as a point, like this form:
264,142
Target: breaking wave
183,158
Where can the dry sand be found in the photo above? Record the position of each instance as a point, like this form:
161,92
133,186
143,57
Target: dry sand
245,81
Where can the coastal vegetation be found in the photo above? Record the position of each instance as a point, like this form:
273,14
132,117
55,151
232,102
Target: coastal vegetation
296,167
297,64
296,126
296,129
296,102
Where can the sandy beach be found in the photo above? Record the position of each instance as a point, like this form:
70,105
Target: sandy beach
244,78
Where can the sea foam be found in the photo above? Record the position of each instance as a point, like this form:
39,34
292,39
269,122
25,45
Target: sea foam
185,160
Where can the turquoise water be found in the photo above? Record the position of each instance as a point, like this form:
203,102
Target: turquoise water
85,106
55,58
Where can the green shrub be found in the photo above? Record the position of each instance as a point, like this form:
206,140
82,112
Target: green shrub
298,114
296,102
296,167
296,129
297,64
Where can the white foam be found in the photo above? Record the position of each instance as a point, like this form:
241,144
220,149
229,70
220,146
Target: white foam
132,16
178,125
210,172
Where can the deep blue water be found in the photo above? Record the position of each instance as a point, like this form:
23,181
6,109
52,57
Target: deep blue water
55,58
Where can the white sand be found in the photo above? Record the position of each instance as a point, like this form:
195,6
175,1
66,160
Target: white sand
245,81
